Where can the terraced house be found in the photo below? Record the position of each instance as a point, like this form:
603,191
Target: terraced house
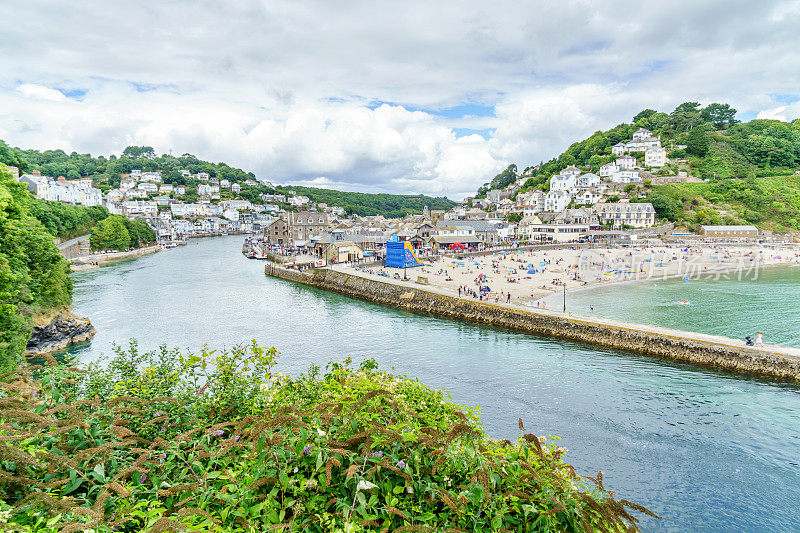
621,214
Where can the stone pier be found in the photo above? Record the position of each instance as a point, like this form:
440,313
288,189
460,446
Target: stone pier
775,362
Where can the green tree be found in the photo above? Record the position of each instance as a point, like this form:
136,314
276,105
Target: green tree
721,115
32,273
698,141
665,207
647,113
685,117
110,234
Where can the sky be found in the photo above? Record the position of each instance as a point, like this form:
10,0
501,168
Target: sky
413,97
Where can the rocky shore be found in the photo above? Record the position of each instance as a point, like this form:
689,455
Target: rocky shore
55,333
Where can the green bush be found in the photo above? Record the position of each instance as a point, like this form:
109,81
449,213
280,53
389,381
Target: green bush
217,442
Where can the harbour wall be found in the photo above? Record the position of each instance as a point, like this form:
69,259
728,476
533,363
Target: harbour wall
775,362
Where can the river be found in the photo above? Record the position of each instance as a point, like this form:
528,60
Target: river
706,450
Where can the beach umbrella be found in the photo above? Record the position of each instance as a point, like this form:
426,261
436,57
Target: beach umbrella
532,271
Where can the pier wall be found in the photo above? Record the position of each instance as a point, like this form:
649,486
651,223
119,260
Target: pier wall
709,350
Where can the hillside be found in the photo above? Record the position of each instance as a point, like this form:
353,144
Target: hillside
771,203
747,168
33,276
106,173
364,204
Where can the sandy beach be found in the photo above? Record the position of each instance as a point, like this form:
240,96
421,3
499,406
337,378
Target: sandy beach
526,277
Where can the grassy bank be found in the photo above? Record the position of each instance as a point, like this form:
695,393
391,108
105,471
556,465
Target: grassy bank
216,442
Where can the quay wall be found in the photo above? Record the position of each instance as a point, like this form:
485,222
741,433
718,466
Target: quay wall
778,363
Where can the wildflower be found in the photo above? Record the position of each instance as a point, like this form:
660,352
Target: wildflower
218,432
142,478
307,449
236,438
401,464
376,454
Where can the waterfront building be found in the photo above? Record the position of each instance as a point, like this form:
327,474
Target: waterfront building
556,232
277,232
307,225
729,232
619,214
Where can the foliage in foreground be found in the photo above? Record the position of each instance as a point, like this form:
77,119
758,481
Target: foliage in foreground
167,442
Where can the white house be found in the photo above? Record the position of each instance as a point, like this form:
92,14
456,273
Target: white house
225,184
563,182
640,145
147,187
608,170
204,189
242,205
619,148
133,208
626,162
587,180
136,174
655,157
298,201
180,189
642,133
166,188
135,193
557,200
231,214
626,176
154,177
235,187
127,183
588,197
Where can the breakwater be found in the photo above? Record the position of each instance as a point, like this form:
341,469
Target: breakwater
775,362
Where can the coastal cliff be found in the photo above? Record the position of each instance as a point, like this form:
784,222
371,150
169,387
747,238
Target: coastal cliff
57,331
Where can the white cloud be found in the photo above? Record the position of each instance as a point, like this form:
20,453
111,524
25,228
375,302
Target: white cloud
39,92
286,89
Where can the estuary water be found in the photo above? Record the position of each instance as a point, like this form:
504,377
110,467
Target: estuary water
706,450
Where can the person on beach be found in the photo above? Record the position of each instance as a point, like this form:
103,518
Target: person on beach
508,299
759,339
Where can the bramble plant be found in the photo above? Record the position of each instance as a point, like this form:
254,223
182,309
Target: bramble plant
166,441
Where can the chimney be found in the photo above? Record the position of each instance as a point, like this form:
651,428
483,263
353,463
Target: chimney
36,173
